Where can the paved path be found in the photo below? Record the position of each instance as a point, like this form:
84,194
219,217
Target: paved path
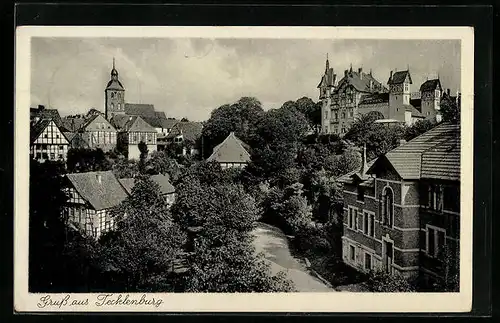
274,244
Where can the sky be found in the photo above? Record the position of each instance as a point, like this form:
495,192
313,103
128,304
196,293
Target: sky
189,77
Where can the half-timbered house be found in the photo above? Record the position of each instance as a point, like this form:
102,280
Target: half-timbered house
48,142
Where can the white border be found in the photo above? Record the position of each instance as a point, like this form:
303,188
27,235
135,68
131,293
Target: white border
296,302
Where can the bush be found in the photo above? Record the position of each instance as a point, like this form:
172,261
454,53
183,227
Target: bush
382,282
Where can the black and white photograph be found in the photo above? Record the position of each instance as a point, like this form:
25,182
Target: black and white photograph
198,163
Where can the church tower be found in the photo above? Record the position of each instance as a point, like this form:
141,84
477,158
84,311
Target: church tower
114,95
399,94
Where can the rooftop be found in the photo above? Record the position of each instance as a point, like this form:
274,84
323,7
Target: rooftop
231,150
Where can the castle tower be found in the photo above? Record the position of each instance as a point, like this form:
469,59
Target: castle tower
325,87
430,93
114,95
399,94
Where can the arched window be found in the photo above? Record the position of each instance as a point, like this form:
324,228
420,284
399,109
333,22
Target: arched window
388,206
112,105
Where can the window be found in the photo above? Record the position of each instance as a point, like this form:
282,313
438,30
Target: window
352,218
45,156
451,198
352,253
336,115
61,147
436,241
326,114
435,197
369,223
361,193
38,155
45,136
368,261
343,115
52,156
112,95
388,206
356,220
351,113
343,130
44,146
60,156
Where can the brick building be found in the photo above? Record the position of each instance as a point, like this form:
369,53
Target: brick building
402,210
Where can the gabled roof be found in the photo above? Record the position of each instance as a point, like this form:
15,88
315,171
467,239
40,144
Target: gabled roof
147,113
361,82
91,120
353,176
431,85
409,159
231,150
137,124
168,123
73,124
44,113
162,180
190,130
40,126
100,195
399,77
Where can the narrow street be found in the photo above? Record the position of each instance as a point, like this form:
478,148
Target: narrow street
274,244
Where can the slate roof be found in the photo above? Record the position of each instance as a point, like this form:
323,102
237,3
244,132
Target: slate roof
328,79
231,150
430,85
399,77
104,195
162,180
190,130
137,124
115,85
362,83
418,157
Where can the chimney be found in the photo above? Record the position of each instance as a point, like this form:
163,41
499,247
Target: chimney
390,77
345,72
360,72
448,92
364,166
99,178
371,85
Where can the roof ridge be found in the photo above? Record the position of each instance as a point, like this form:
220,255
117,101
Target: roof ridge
219,146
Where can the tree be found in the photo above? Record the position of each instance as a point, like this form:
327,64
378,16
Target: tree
146,243
86,160
161,163
125,168
184,119
383,282
47,230
238,117
450,109
143,149
417,129
223,258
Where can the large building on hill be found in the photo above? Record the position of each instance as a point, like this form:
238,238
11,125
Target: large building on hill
402,210
359,93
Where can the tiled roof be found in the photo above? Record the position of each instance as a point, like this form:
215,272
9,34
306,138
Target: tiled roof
100,195
361,83
37,129
430,85
442,161
421,153
137,124
73,124
69,135
231,150
399,77
44,113
162,180
115,85
168,123
92,118
190,130
138,109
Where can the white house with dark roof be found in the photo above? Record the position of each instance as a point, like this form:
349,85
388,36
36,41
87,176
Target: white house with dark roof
403,214
231,153
48,142
91,197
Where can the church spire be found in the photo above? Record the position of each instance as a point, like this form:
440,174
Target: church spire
327,64
114,72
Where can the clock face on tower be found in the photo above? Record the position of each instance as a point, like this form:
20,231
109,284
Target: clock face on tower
397,88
